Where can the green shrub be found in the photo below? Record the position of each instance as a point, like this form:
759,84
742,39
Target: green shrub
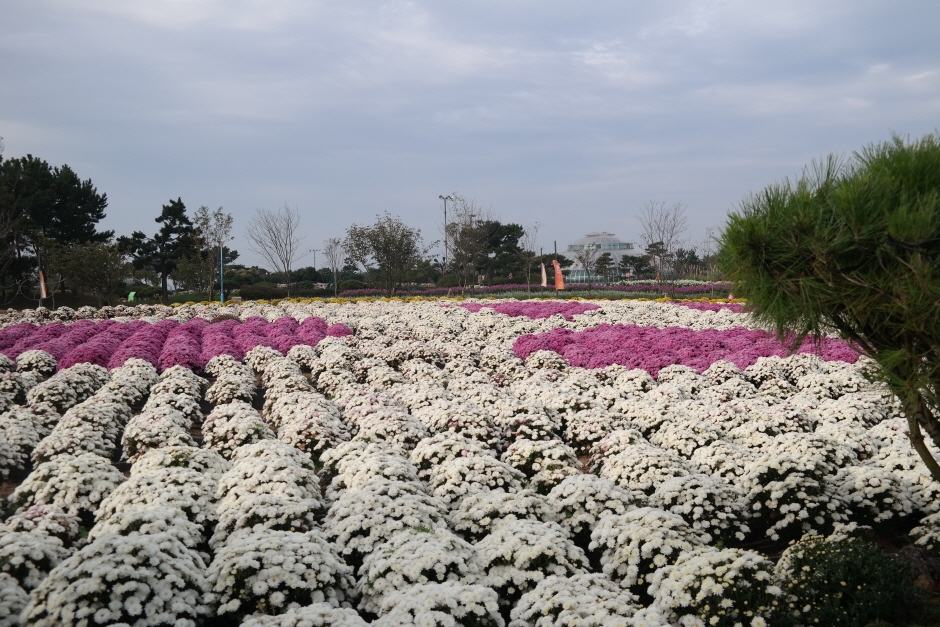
843,582
448,280
262,291
352,284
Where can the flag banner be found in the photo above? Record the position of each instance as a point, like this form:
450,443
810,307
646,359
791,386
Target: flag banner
544,277
42,285
559,279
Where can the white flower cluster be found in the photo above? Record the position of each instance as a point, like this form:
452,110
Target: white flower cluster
50,520
232,425
76,484
37,361
28,556
314,615
463,476
187,490
438,449
69,387
18,438
709,504
636,544
363,518
204,461
122,579
444,605
267,571
416,555
580,501
91,426
309,422
480,512
724,587
587,600
132,381
155,428
519,553
12,601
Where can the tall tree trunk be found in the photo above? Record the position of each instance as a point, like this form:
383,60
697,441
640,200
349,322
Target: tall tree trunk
165,293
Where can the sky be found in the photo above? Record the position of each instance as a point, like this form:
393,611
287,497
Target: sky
569,115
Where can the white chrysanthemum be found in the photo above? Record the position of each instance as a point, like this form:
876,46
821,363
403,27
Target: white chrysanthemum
337,460
580,501
315,615
232,386
184,403
394,426
533,456
390,466
12,601
29,556
362,518
873,494
268,571
182,488
710,505
233,425
154,429
519,553
19,437
148,519
642,468
927,533
723,459
76,484
314,434
416,555
724,588
36,361
478,513
266,511
789,496
205,461
587,600
443,605
256,475
635,545
685,436
260,356
285,408
460,477
443,447
122,579
51,520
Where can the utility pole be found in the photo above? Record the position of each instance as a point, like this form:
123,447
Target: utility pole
452,198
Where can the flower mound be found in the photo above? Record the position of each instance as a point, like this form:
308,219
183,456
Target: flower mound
119,579
443,605
266,571
582,600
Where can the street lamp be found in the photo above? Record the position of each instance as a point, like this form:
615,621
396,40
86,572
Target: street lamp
452,198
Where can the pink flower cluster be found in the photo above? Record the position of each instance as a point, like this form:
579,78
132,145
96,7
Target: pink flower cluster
652,348
164,344
535,309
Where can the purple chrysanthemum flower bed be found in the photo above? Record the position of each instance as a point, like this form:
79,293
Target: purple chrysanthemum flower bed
164,344
652,348
535,310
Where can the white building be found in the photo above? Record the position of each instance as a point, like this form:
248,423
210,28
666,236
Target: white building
603,242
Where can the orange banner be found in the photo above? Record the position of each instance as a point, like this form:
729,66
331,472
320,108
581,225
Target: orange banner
42,285
559,279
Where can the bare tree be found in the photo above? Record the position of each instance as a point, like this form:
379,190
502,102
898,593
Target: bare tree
527,255
333,251
274,235
586,258
466,238
663,223
200,270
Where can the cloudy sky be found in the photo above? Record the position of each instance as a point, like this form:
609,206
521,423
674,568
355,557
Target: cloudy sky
570,114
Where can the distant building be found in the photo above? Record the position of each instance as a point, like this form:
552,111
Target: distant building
603,242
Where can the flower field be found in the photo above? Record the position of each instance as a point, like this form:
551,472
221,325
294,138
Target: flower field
534,463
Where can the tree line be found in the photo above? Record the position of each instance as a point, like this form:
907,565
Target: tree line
49,221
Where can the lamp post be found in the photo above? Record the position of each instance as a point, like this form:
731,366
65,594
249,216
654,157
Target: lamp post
451,198
221,275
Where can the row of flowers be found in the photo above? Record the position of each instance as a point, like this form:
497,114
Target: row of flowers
452,480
